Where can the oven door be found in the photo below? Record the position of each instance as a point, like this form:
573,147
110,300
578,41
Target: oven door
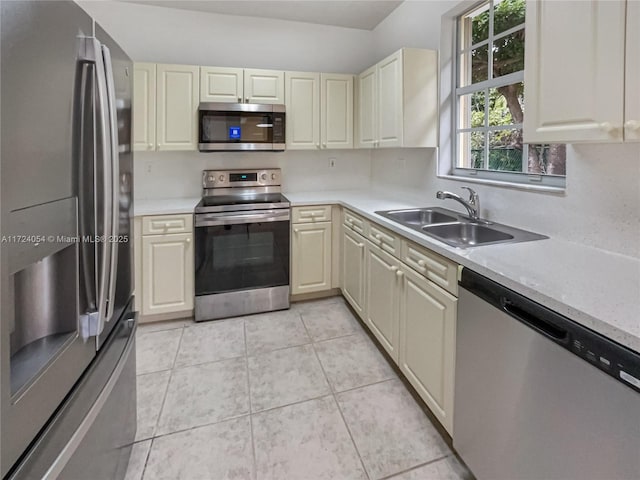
241,251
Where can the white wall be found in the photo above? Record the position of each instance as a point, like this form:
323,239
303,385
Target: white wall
179,174
166,35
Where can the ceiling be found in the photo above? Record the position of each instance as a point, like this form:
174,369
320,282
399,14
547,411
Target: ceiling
362,14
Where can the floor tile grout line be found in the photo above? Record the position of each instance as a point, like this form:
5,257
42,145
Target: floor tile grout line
146,460
401,472
335,400
194,427
246,358
166,392
313,347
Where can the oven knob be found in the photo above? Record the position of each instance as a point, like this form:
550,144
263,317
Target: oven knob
273,176
211,179
263,177
221,178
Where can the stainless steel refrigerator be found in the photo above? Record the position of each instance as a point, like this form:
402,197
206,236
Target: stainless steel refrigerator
67,343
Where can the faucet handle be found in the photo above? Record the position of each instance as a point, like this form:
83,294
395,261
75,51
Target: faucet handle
473,196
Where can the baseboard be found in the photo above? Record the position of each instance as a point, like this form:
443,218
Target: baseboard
161,317
301,297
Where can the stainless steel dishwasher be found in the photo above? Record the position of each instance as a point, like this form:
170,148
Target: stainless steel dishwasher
538,396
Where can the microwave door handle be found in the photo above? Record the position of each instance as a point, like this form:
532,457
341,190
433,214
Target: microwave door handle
112,236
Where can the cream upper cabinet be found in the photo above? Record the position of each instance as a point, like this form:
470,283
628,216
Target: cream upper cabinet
167,273
302,100
632,69
263,86
144,106
397,101
575,71
390,101
427,343
383,279
178,98
366,107
221,84
353,263
311,257
336,113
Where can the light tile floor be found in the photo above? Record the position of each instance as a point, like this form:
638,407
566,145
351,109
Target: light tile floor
302,394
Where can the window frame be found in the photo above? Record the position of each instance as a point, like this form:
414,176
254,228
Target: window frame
516,179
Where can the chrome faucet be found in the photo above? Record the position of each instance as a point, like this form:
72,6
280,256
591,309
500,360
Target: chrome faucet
472,205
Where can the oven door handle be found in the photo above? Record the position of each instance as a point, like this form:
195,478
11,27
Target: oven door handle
215,219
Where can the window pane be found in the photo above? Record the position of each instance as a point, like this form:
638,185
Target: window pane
471,149
479,24
507,14
547,159
472,107
508,54
505,150
506,104
474,66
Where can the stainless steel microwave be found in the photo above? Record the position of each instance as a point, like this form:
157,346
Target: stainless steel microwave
240,127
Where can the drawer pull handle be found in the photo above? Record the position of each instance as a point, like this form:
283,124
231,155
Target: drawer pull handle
422,264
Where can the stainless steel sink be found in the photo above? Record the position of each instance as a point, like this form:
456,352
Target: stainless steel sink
466,234
456,229
420,216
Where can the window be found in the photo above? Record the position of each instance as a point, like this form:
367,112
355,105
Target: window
490,100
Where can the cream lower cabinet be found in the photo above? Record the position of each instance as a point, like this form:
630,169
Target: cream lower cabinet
311,257
164,269
383,279
353,269
427,342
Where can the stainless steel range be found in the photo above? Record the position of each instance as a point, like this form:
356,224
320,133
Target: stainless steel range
242,244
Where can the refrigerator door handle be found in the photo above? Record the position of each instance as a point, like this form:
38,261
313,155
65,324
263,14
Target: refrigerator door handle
112,237
92,322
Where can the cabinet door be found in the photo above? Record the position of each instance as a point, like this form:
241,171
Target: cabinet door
632,66
167,273
311,257
302,98
390,101
574,71
353,266
336,111
219,84
178,97
263,86
144,106
367,125
427,342
382,295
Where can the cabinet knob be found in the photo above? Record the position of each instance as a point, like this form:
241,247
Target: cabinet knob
378,237
317,145
607,127
421,263
360,245
246,100
239,99
324,145
187,240
166,225
394,269
399,274
295,230
349,220
632,124
151,146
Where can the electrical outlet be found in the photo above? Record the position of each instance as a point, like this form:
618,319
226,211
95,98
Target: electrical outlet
332,162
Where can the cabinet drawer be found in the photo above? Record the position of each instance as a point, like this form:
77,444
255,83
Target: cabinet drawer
387,241
161,224
312,213
438,269
355,223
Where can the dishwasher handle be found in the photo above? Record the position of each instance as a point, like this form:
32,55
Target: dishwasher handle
520,313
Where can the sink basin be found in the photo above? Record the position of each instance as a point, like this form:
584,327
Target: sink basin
419,216
466,234
423,216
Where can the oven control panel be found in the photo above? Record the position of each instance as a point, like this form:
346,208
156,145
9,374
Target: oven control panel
241,178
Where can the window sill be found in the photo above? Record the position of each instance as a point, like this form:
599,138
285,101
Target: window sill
514,186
